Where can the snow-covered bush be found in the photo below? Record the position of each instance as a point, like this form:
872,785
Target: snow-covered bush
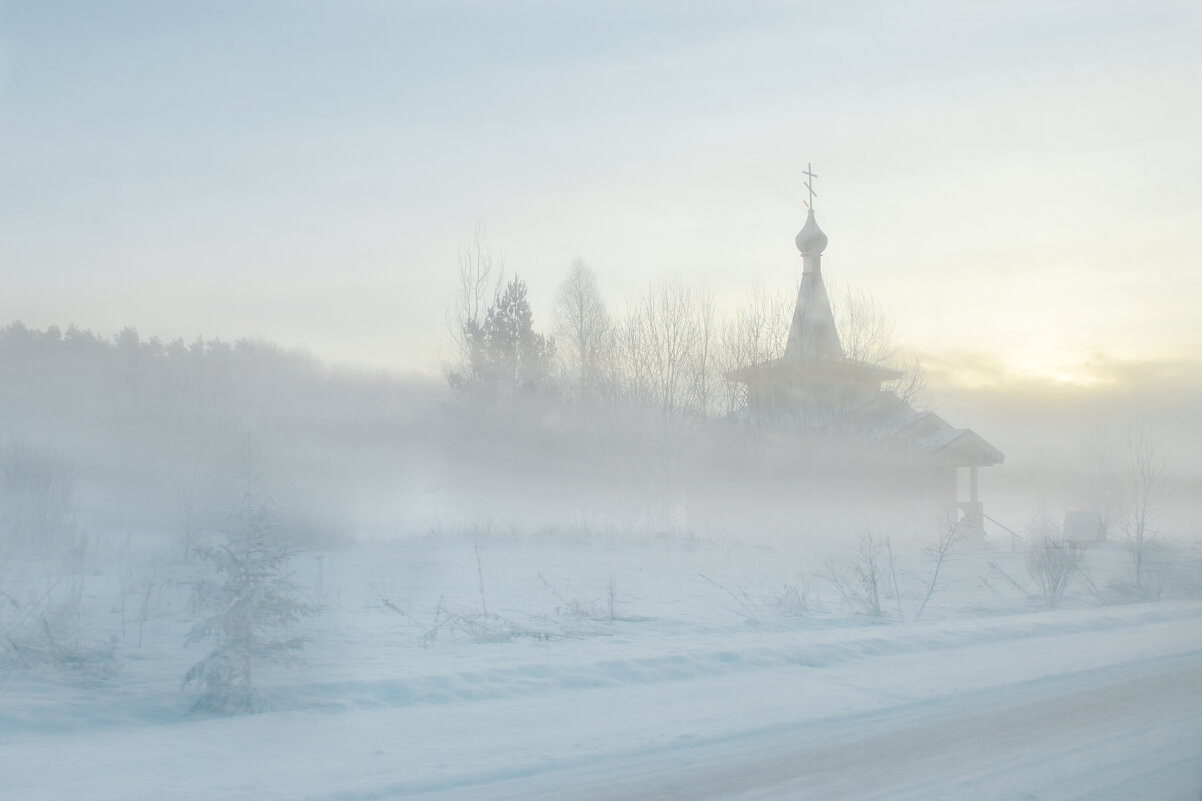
40,562
40,622
948,533
248,607
1053,565
37,504
860,584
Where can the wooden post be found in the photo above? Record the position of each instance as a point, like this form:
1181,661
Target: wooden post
974,510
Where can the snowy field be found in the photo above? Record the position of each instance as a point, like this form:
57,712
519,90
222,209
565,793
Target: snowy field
493,667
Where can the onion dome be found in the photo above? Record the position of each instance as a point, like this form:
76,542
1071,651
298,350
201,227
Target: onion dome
810,239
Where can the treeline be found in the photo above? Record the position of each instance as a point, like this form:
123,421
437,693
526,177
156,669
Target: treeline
153,436
669,351
127,375
154,432
597,418
630,414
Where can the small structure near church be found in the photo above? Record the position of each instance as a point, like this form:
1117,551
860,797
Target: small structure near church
815,386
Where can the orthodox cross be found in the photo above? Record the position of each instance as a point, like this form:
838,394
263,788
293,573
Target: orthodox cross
809,184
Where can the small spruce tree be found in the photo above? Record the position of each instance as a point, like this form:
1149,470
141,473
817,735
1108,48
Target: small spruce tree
248,608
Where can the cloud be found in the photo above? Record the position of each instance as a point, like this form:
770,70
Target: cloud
1095,378
1053,427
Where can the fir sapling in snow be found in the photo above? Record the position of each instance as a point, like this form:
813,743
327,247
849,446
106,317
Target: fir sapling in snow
247,608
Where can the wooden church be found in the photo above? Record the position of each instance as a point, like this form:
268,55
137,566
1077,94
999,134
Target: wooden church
814,387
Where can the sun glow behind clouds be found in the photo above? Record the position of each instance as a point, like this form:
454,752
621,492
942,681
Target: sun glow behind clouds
1032,363
1059,377
988,371
313,184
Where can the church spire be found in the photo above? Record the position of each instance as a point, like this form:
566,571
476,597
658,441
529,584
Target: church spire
811,241
813,334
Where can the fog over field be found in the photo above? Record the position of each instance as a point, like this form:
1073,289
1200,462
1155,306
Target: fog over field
149,435
638,400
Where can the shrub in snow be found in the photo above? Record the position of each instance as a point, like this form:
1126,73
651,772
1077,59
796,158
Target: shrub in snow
1142,488
40,556
860,584
37,504
1053,565
40,621
792,599
248,608
949,532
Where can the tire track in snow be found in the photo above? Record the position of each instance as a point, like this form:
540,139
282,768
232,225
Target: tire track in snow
819,648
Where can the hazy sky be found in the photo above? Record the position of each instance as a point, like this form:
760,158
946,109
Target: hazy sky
1019,182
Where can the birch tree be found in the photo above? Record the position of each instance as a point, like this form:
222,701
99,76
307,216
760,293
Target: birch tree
582,325
1142,493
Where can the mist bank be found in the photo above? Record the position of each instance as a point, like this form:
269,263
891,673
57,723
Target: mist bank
1063,439
154,437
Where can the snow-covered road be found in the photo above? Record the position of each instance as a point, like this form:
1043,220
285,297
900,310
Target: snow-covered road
1129,732
1107,713
1092,704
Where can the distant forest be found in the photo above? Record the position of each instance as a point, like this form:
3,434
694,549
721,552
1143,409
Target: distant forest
155,436
155,433
130,377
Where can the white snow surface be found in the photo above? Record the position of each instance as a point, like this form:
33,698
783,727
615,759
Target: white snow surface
619,668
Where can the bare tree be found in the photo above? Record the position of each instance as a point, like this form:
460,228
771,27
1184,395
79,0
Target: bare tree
480,280
582,325
866,330
1142,492
867,569
630,378
868,335
658,349
755,334
911,388
705,354
671,352
949,531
